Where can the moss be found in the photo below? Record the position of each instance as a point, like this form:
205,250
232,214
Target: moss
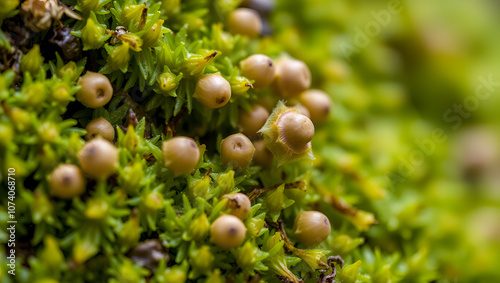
388,224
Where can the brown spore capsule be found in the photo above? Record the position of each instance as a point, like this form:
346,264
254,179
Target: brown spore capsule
318,103
98,158
311,227
100,127
244,21
180,155
292,77
262,156
227,231
66,181
237,150
250,122
238,204
260,68
213,91
95,91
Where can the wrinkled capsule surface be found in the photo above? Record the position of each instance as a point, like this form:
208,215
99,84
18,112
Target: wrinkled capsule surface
227,231
180,155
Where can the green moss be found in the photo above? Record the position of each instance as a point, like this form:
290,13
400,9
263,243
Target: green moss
388,224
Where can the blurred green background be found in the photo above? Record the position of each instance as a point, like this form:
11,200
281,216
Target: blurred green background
416,89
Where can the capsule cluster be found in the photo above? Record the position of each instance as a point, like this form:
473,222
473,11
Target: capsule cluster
285,134
98,159
149,141
266,135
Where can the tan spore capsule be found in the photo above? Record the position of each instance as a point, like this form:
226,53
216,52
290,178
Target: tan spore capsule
239,205
180,155
237,150
296,131
95,91
292,77
100,127
98,158
311,227
213,91
251,121
244,21
318,103
262,156
66,181
260,68
288,134
227,231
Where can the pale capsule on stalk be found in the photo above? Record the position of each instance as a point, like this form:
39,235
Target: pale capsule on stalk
227,231
260,68
237,150
213,91
288,134
311,227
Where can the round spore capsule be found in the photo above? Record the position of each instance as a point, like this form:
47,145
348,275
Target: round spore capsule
318,103
292,77
180,155
311,227
244,21
259,68
98,158
227,231
238,204
100,127
237,150
213,91
251,121
95,91
66,181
